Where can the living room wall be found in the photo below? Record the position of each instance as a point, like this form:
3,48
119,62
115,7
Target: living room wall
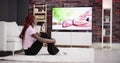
97,10
23,7
116,21
8,10
97,14
13,10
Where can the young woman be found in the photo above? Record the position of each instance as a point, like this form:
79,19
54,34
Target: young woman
33,41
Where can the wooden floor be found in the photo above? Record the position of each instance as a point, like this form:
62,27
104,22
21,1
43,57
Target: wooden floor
69,55
112,56
6,53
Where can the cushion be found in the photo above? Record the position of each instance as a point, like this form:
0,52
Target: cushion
14,39
12,30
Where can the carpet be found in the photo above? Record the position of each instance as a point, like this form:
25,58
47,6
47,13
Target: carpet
66,55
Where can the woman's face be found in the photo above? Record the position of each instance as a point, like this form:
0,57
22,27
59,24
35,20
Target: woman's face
34,23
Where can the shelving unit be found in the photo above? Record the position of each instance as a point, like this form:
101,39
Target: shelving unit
40,12
107,25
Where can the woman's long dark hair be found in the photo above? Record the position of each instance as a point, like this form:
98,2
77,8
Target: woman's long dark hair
28,21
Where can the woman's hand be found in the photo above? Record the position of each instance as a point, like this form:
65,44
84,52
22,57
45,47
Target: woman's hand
38,33
54,41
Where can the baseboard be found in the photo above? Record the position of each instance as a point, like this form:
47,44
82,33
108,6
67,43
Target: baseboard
114,46
81,46
7,53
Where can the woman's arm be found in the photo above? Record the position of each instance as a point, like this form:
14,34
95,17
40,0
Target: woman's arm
38,33
44,40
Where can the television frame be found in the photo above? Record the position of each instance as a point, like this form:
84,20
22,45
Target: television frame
74,22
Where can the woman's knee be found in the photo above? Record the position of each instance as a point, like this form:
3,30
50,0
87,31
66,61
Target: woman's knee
45,35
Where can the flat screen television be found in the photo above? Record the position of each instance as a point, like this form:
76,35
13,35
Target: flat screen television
72,18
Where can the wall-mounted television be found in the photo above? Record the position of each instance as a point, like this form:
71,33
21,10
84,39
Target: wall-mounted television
72,18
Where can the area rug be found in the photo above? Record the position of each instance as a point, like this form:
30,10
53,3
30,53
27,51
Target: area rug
66,55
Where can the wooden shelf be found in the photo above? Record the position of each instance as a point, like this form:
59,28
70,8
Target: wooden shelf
106,29
40,12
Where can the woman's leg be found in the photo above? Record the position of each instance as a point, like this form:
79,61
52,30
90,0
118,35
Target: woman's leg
35,48
45,35
52,49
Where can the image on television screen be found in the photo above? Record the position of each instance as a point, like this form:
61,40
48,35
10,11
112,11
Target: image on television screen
72,18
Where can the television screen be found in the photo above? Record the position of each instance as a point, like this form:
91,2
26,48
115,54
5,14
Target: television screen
75,18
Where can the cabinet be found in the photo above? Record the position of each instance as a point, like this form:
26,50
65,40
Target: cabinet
73,38
107,29
40,13
62,38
